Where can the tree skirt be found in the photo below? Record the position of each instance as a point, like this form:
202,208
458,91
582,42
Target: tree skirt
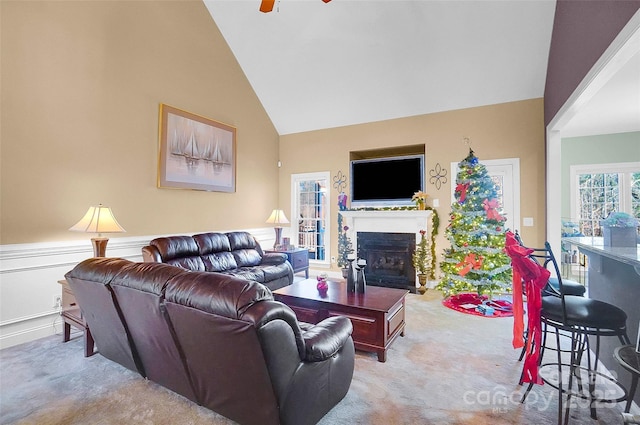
479,305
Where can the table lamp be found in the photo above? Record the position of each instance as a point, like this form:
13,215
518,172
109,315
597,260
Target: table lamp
98,220
277,217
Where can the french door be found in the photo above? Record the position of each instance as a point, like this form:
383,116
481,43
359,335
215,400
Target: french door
310,214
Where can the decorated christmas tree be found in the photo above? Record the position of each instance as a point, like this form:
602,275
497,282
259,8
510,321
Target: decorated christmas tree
476,261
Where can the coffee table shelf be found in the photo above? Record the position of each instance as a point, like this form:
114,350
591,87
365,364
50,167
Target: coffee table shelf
378,315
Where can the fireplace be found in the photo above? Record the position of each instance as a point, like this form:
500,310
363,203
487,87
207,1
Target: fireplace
392,224
388,258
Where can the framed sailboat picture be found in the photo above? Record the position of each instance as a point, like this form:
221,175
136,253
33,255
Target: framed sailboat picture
195,152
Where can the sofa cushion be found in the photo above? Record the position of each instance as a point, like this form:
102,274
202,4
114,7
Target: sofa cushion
219,262
249,273
90,282
275,272
147,277
180,251
241,240
245,249
216,293
247,257
139,291
209,243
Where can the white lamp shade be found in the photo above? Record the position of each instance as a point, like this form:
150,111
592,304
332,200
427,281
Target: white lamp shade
98,219
277,217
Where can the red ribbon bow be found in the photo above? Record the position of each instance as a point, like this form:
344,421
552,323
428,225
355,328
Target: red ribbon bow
462,188
490,206
471,261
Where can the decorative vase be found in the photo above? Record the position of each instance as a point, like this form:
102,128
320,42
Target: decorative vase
361,284
422,280
351,282
421,206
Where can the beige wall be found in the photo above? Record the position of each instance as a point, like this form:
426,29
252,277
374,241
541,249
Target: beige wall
81,85
510,130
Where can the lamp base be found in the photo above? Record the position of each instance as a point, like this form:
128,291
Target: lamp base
278,241
99,246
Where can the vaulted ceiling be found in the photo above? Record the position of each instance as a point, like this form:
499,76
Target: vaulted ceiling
317,65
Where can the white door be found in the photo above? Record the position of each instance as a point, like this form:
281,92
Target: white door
506,175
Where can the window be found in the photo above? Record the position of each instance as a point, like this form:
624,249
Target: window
310,209
601,189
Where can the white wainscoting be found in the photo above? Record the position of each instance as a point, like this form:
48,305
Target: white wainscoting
29,275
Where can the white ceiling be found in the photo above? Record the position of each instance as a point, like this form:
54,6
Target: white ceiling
615,108
317,65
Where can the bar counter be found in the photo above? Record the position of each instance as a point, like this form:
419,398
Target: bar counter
614,277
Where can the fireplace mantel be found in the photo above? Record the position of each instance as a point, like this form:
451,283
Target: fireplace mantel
401,221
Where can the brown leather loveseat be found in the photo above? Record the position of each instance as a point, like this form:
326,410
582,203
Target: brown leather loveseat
234,253
218,340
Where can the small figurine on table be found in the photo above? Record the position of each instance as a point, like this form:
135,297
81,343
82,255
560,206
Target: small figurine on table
322,282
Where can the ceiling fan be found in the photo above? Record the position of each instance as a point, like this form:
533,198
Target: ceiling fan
266,6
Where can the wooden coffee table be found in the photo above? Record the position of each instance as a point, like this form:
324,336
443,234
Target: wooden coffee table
377,315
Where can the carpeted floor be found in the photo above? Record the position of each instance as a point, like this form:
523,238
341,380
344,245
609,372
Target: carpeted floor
449,368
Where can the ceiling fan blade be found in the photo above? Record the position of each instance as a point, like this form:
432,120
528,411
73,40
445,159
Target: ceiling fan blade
267,5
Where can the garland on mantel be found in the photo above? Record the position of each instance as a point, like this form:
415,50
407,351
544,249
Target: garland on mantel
435,223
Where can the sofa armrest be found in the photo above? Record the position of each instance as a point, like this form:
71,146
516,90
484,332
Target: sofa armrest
273,259
326,338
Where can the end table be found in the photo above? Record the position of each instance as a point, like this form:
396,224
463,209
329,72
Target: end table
299,259
72,316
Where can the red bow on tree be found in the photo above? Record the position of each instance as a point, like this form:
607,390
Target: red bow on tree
490,206
471,261
462,188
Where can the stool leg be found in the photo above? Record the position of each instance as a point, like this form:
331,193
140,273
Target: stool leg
591,368
560,378
524,349
578,361
576,346
624,338
632,392
540,355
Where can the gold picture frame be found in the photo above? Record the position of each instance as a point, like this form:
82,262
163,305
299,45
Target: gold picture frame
195,152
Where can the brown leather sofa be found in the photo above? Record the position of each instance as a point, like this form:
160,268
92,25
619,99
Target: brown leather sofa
234,253
218,340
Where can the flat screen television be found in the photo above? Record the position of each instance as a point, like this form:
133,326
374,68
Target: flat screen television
388,181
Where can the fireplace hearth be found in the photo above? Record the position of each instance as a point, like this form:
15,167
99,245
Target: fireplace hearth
388,257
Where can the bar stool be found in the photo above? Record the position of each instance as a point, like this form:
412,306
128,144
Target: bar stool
581,318
570,287
629,358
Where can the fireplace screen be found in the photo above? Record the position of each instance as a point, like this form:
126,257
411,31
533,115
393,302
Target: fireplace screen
388,257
